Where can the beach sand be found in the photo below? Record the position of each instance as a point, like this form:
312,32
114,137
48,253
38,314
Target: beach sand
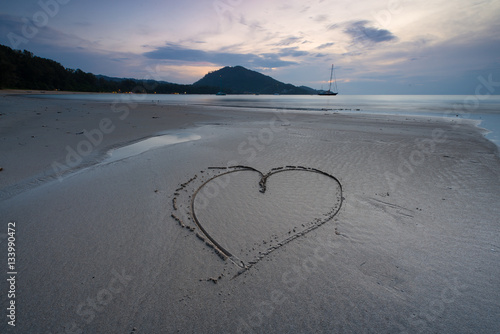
380,224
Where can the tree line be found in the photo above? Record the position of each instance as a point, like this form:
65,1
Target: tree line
23,70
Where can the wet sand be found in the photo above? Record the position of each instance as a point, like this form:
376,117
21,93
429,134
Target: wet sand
108,239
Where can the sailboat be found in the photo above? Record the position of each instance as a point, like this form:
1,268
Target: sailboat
329,91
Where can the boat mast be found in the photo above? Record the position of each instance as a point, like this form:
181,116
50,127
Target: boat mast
335,79
331,75
329,92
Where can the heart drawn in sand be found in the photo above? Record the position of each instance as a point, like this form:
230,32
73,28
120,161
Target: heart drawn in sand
245,214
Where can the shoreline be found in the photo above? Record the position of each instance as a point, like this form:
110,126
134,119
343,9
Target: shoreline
28,92
489,120
93,133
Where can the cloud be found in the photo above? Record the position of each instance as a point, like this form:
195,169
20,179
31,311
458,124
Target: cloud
361,32
320,18
173,52
19,34
305,9
333,26
288,41
324,46
292,52
270,60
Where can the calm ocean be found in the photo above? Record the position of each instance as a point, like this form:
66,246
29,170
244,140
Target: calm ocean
485,109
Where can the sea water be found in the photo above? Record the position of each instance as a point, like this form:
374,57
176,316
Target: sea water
484,109
148,144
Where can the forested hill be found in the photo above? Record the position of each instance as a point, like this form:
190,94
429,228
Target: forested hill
239,80
23,70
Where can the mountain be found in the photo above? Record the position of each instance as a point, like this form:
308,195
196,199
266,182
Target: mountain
239,80
115,79
23,70
309,90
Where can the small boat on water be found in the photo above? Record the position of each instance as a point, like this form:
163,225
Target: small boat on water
220,93
329,92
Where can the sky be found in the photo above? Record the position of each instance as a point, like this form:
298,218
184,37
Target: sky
377,46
